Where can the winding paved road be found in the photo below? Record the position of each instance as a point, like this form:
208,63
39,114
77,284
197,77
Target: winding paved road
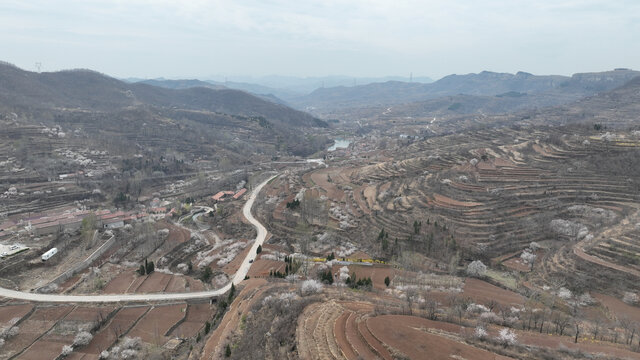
237,278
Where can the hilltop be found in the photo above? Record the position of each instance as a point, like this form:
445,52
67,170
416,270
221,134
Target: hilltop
206,116
547,90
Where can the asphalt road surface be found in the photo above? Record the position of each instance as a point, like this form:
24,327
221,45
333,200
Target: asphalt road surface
237,278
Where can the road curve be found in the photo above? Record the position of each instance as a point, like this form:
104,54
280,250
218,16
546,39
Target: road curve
237,278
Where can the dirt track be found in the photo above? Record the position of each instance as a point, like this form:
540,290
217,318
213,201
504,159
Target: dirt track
240,305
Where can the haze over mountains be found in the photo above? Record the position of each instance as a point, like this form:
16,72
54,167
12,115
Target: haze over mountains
284,86
501,182
95,100
615,108
92,90
483,93
279,89
552,89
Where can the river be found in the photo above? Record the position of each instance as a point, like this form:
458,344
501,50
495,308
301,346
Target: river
339,144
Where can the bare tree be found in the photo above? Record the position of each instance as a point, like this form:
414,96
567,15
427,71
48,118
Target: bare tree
630,327
431,307
561,321
577,324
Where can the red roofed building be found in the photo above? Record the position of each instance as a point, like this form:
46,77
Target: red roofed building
239,193
220,196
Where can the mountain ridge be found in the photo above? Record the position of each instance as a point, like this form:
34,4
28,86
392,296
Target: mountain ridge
485,83
91,90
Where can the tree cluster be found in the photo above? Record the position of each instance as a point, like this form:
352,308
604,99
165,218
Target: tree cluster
362,283
147,268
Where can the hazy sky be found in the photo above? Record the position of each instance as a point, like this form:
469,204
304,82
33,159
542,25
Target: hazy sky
197,38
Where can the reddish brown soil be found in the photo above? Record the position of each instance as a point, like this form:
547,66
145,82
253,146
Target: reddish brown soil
233,266
359,255
82,356
156,282
404,334
118,325
47,347
619,308
177,235
452,202
13,311
70,281
362,204
89,314
53,313
120,283
197,315
194,285
137,281
339,330
501,162
250,293
155,324
262,267
483,292
578,250
277,212
176,284
587,345
40,321
319,177
516,264
274,247
377,273
129,281
368,337
358,306
354,338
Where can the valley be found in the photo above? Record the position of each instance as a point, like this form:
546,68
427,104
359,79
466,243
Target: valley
199,222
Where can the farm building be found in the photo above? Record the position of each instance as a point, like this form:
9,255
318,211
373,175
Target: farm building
71,224
46,228
239,194
114,223
222,195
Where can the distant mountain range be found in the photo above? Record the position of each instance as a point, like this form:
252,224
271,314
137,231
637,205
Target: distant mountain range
277,88
499,91
262,92
305,85
93,99
616,108
484,93
86,89
619,107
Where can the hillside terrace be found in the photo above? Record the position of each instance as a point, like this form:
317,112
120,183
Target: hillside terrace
44,224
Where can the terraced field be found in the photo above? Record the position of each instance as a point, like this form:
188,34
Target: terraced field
348,330
495,192
352,330
43,330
